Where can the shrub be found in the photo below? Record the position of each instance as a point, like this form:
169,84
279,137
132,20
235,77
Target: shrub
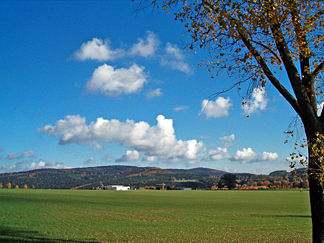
8,185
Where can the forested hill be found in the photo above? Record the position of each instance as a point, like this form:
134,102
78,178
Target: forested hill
202,178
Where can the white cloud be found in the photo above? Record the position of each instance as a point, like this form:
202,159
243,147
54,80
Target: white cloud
89,161
192,162
216,109
154,93
266,156
204,137
158,140
9,168
96,146
259,101
25,165
174,59
114,82
145,48
244,155
228,140
11,155
130,155
26,154
18,166
320,108
180,108
45,164
218,154
99,50
108,158
149,158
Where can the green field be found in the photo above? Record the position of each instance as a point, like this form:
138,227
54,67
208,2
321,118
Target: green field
154,216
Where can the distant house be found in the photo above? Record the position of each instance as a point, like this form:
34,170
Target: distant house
117,188
183,188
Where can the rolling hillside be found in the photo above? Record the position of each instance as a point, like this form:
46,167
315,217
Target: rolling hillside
201,178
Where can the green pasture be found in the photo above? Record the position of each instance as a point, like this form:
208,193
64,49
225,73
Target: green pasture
154,216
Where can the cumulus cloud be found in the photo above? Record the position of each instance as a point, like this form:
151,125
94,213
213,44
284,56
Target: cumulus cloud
18,166
145,48
89,161
266,156
154,93
114,82
129,156
217,154
228,140
180,108
174,59
258,102
216,109
149,158
25,165
45,164
320,108
158,140
99,50
244,155
9,168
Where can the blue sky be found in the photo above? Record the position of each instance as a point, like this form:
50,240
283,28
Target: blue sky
97,83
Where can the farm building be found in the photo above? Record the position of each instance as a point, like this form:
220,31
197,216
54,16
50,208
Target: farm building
117,188
183,188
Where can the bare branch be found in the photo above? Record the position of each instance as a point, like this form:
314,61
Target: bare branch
213,96
269,49
317,70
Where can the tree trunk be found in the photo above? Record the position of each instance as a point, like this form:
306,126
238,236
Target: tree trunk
315,178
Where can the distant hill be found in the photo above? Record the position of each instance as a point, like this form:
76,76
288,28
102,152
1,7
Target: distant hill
90,177
278,173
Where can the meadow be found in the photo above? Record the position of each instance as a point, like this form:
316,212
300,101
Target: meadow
154,216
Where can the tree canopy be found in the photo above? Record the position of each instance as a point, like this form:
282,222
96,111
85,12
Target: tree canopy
280,41
228,180
258,40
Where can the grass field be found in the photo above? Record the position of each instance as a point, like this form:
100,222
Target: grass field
154,216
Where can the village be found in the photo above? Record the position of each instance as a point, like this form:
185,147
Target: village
128,188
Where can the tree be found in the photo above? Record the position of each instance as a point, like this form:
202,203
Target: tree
262,40
228,180
8,185
220,184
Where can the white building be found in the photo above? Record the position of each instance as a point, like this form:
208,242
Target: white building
117,188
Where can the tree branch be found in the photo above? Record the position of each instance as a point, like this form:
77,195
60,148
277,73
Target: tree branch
304,53
307,107
285,93
317,70
243,34
269,49
213,96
